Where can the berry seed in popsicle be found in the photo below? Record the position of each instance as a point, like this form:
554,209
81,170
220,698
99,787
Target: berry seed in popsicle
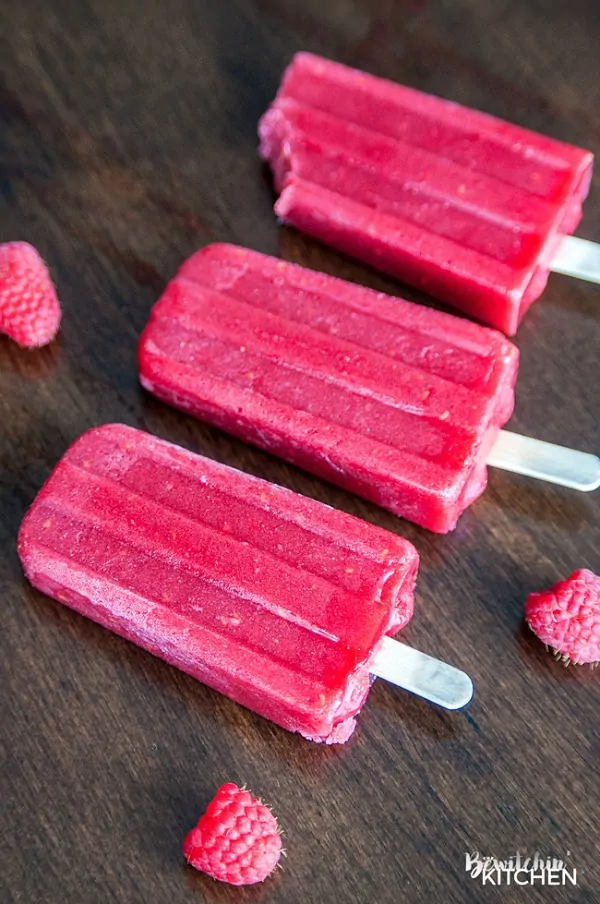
466,207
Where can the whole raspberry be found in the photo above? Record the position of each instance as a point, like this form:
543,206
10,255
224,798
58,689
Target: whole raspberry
29,309
567,617
237,840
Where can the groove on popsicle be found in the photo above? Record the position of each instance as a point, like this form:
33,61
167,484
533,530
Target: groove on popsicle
139,516
456,350
244,619
330,357
392,423
504,226
444,128
154,622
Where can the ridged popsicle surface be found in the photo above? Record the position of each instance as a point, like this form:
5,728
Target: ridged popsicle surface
275,600
393,401
463,205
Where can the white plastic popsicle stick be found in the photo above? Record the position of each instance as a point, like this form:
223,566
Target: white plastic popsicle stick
579,258
546,461
422,674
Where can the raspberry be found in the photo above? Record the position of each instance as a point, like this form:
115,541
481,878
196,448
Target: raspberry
237,840
567,617
29,309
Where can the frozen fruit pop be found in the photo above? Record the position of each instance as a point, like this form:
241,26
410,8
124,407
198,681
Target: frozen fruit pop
281,603
391,400
467,207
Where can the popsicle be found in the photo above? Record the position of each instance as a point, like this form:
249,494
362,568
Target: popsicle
280,602
391,400
471,209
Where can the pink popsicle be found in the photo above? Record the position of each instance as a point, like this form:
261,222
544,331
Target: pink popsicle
277,601
467,207
391,400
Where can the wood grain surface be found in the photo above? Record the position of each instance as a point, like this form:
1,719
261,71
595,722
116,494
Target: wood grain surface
128,140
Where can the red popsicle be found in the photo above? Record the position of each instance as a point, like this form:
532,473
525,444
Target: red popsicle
391,400
467,207
279,602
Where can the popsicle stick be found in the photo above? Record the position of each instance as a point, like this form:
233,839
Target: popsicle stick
546,461
579,258
422,674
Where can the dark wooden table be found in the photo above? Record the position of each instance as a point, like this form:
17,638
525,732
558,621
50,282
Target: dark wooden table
128,140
